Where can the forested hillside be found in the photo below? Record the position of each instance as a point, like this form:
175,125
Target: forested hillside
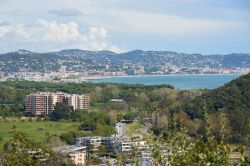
234,95
231,100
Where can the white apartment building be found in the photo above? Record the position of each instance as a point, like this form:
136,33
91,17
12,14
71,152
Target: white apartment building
90,142
124,146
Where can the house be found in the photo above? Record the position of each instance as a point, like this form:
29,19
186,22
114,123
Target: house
76,153
92,143
124,145
146,159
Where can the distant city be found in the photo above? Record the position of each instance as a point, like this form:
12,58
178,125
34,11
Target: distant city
81,65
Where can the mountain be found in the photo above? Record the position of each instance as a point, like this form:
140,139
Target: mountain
83,60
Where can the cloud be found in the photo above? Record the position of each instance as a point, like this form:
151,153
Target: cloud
151,23
4,23
135,25
57,32
51,35
70,12
3,31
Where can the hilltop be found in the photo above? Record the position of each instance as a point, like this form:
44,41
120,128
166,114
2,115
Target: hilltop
146,62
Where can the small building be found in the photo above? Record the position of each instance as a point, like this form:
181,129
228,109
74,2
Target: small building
125,145
109,143
76,153
78,156
146,159
92,143
116,100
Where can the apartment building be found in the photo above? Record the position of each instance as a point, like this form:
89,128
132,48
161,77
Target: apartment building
77,154
78,101
92,143
124,145
42,103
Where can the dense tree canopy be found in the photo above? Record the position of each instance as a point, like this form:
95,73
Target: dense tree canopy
62,111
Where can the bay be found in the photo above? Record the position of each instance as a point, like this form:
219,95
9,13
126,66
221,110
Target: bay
196,81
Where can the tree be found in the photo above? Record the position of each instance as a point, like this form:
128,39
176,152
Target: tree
218,125
238,122
130,116
102,150
22,151
69,138
62,111
78,115
181,119
88,124
104,130
195,152
160,121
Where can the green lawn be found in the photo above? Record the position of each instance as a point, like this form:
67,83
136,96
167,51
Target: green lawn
35,130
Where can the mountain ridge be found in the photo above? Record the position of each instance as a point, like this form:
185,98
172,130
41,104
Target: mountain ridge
132,51
84,60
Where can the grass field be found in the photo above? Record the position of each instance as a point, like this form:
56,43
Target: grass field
35,130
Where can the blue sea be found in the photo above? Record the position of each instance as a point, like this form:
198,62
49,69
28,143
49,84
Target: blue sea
210,81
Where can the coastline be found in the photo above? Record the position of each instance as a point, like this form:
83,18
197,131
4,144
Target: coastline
153,75
179,81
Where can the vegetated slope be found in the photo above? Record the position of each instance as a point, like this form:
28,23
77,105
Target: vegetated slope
36,62
83,60
232,101
233,96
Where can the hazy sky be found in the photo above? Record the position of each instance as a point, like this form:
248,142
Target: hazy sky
191,26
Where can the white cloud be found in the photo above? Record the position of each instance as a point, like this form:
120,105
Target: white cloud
69,12
51,35
141,22
4,30
135,24
57,32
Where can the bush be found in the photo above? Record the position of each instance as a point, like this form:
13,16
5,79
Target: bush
1,139
130,116
156,131
13,126
39,119
69,138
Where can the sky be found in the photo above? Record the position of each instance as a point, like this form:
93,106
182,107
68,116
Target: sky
188,26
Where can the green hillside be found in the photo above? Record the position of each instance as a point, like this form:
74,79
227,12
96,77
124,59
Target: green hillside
233,99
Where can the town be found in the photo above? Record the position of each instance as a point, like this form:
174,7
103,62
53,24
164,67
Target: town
70,76
100,148
78,65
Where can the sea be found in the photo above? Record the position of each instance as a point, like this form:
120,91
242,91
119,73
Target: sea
187,81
